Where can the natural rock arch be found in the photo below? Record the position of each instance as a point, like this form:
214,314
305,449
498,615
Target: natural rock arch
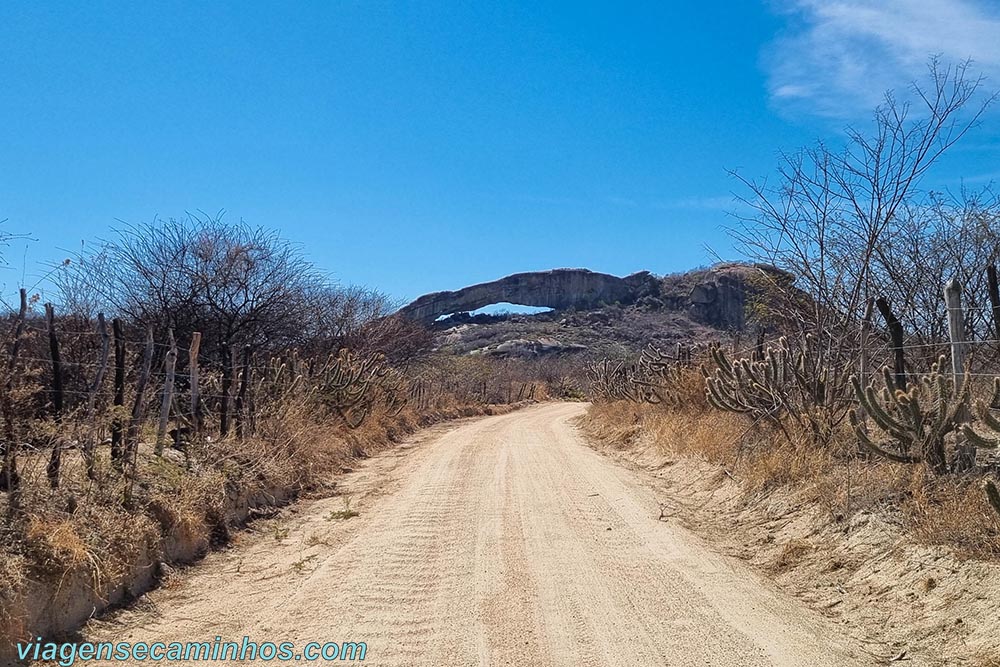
557,289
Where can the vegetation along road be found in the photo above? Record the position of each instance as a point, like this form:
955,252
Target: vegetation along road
503,540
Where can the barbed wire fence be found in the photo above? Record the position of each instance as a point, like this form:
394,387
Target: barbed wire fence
78,385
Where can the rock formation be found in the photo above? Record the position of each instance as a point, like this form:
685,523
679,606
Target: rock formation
716,297
558,289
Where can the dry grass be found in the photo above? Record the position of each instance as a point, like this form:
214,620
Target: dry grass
753,452
793,552
950,511
83,533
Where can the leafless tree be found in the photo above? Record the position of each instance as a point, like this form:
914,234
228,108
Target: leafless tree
835,217
238,285
929,243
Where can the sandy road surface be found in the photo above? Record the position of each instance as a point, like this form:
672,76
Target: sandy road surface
499,541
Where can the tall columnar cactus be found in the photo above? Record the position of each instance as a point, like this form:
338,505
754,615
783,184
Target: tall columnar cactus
776,384
985,416
278,381
394,389
744,385
346,384
915,421
754,387
992,494
659,375
614,381
811,374
419,392
654,379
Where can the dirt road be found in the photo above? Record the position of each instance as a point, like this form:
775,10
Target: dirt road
500,541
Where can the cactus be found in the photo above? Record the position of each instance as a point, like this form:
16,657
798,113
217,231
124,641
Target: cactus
754,387
345,383
394,389
992,494
614,381
278,381
419,392
655,378
916,420
658,375
985,416
774,384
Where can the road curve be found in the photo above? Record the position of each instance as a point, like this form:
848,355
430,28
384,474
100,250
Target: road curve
499,541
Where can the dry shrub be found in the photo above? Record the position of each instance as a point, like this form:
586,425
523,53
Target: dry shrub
184,520
714,436
617,424
854,484
689,390
54,544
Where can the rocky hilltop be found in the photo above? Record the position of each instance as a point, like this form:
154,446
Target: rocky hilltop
715,297
594,314
558,289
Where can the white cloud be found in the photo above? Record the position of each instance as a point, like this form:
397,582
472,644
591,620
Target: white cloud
838,57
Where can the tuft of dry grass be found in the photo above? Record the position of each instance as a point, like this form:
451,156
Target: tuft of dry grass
54,543
791,554
12,580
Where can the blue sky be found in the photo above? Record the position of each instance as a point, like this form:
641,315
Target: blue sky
414,147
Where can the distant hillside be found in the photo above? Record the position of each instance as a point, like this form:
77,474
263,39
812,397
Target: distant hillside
593,314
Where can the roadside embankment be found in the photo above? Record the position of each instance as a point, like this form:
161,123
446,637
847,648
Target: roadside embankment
906,562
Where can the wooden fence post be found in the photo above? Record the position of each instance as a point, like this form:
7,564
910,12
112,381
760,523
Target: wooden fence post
89,445
117,424
168,393
896,335
9,478
241,396
866,327
138,412
55,458
227,383
965,458
994,291
252,407
196,415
